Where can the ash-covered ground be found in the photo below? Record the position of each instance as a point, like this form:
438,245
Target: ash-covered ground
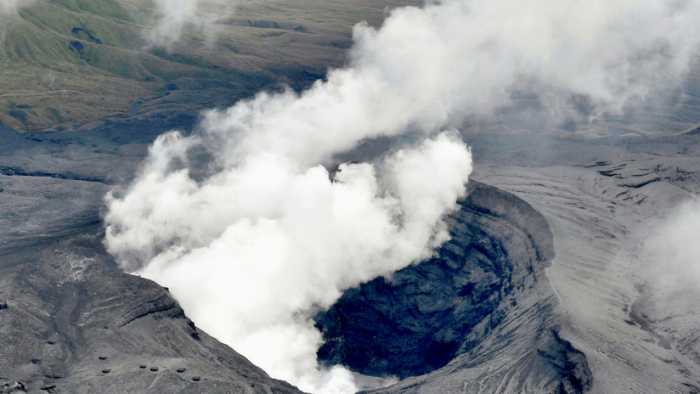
543,287
569,267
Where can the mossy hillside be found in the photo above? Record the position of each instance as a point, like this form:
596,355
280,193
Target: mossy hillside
67,63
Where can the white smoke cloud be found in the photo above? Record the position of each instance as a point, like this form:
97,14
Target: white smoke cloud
257,245
673,252
263,235
174,17
669,275
9,9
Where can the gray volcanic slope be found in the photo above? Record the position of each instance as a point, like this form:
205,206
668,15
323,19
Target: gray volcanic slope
600,216
543,288
484,304
69,321
74,325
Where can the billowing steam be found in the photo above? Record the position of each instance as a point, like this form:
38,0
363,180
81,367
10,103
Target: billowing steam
9,7
252,249
173,17
673,250
253,234
8,10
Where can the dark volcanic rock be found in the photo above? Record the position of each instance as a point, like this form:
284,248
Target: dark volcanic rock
84,33
12,386
458,307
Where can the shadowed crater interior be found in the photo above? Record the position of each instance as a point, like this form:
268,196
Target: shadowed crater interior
426,315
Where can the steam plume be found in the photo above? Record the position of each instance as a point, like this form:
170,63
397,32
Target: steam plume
8,10
674,251
258,244
251,232
173,17
8,7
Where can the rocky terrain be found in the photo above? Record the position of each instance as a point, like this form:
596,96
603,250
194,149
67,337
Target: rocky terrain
546,285
539,290
70,322
598,274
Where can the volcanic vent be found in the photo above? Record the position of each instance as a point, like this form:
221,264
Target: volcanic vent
460,309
